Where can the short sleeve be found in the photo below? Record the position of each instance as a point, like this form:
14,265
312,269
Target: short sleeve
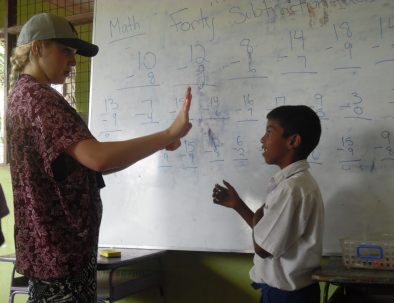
281,225
55,125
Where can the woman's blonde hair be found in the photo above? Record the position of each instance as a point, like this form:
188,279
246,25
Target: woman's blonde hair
19,59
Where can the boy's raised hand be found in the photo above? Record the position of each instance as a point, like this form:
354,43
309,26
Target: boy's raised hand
226,196
181,126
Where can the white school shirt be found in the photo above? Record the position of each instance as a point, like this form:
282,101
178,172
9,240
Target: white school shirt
291,230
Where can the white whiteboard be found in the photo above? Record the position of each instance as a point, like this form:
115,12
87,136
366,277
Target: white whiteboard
242,58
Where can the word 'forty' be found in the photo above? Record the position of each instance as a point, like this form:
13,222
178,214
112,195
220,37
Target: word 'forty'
183,23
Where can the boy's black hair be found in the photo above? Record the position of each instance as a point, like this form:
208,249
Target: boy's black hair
302,120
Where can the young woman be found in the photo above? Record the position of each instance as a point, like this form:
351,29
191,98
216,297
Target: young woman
56,164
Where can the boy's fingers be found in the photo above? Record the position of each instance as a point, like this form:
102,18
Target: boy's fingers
228,185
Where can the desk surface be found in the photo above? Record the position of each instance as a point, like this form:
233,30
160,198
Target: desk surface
128,257
334,271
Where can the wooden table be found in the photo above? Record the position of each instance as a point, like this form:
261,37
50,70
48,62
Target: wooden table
364,282
117,290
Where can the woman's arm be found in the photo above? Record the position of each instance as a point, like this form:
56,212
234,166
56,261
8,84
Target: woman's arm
113,156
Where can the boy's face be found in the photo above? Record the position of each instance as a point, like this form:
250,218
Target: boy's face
277,149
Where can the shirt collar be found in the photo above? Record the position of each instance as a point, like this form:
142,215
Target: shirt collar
288,171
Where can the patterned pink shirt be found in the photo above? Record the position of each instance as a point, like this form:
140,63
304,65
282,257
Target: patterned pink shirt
57,203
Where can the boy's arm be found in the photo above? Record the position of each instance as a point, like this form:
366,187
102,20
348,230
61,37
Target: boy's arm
228,197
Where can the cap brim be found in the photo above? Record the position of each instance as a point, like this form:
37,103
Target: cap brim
83,48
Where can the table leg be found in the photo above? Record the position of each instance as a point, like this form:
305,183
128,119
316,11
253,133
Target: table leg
326,289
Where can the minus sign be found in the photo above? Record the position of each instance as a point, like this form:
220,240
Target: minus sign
347,67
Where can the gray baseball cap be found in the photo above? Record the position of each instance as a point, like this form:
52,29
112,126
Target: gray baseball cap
47,26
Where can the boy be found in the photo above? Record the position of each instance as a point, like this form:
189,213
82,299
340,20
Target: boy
287,229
